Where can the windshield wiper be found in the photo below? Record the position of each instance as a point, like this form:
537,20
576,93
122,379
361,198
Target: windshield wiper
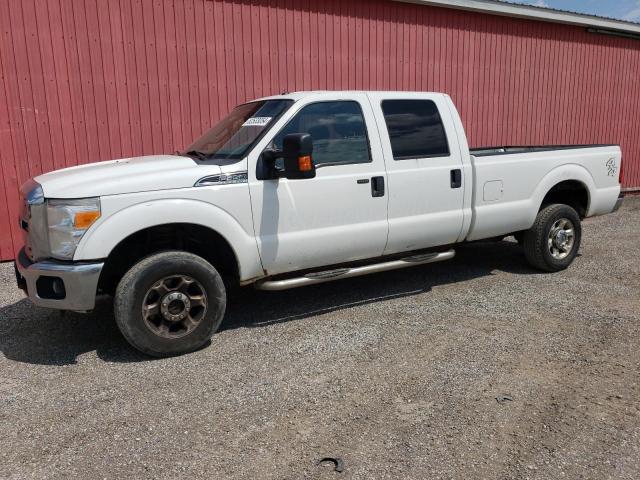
198,154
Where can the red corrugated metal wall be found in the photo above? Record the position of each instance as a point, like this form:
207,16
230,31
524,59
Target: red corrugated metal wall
87,80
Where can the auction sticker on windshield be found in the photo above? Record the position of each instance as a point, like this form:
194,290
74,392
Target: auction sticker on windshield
257,121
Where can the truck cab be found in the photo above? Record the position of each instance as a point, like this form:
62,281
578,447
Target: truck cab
293,190
367,198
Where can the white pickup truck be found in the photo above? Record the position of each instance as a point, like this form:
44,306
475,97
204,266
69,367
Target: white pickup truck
292,190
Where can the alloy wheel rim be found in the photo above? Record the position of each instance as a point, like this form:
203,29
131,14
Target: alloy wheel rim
174,306
561,238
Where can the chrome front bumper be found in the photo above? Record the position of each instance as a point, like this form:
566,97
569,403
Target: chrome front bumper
64,286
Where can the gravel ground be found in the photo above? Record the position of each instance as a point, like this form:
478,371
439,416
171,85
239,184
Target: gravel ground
397,374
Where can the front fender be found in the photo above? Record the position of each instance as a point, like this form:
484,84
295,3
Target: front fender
115,226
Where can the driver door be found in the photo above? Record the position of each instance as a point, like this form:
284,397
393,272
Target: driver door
341,214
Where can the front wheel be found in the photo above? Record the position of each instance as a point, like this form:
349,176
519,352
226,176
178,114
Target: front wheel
553,241
170,303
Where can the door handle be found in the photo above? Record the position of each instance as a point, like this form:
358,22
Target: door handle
456,178
377,186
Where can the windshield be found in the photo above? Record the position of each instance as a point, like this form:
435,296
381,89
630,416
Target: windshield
233,136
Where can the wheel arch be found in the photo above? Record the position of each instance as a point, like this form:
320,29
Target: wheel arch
569,192
186,237
175,220
570,184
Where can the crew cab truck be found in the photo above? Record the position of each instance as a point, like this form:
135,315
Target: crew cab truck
293,190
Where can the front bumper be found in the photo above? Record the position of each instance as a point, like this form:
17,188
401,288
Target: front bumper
53,284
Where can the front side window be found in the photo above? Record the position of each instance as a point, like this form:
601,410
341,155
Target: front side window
338,131
415,129
233,136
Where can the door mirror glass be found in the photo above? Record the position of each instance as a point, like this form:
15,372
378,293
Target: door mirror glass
297,149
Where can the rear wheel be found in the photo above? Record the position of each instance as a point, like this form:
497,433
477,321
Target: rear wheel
553,241
170,303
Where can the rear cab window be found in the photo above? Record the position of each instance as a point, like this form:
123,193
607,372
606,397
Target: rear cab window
415,129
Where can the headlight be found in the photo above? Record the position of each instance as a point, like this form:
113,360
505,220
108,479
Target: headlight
68,220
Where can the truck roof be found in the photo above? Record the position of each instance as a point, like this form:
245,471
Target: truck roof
304,93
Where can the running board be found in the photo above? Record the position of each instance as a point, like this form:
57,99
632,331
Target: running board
340,273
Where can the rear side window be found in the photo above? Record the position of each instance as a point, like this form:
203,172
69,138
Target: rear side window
338,131
415,129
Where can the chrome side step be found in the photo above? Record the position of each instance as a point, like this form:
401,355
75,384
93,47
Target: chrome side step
340,273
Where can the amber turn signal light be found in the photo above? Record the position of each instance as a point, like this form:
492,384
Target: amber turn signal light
85,219
304,163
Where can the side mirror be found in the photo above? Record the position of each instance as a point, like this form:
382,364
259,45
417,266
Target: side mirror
296,151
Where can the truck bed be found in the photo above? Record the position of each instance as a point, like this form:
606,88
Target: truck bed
509,183
510,149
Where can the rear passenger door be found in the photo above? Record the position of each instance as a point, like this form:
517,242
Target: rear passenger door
424,170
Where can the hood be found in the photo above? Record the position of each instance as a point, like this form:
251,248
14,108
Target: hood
127,175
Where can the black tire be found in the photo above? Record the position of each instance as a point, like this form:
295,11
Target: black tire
152,275
536,240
